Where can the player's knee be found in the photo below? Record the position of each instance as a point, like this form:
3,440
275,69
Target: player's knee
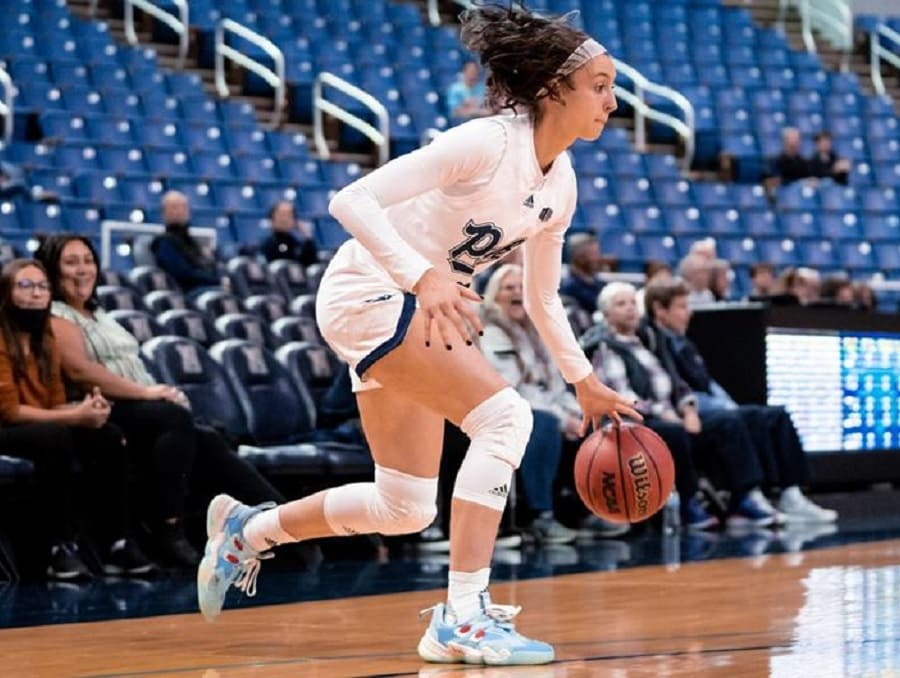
503,423
403,503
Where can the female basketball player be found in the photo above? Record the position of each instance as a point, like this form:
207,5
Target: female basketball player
395,304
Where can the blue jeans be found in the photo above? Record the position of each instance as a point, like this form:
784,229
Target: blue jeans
537,472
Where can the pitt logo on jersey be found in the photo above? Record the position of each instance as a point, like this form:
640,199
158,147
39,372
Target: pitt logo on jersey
479,247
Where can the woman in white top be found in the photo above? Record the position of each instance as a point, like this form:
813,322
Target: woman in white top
396,306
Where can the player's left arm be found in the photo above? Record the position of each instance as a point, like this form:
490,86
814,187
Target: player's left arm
541,274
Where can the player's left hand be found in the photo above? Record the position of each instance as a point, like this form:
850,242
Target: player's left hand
597,400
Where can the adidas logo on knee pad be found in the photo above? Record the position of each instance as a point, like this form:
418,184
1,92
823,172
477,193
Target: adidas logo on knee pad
500,490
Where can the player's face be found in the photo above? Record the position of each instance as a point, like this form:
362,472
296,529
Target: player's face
622,313
77,272
509,296
676,317
592,101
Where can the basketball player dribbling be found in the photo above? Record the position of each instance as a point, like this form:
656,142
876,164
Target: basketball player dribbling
395,304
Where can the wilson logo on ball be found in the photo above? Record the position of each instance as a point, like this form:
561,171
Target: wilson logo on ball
640,478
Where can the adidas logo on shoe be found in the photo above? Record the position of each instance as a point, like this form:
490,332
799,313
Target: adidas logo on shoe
500,490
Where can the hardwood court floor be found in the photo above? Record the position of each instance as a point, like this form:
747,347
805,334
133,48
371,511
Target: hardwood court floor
823,613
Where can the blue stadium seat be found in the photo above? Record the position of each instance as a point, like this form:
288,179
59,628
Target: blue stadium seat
311,364
288,277
644,220
739,251
659,247
820,254
296,328
881,227
248,276
800,225
216,303
266,307
303,306
685,221
778,251
118,298
160,301
840,226
723,221
146,279
858,256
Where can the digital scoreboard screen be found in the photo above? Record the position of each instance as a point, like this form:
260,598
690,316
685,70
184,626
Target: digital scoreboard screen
841,387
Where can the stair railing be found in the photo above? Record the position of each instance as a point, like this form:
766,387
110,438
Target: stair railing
381,136
275,78
878,52
179,24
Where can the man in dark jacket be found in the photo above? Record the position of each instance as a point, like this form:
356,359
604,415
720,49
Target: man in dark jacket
178,253
290,238
771,429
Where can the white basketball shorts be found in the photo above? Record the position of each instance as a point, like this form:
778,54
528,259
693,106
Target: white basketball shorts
361,311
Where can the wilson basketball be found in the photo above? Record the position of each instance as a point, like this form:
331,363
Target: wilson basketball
624,474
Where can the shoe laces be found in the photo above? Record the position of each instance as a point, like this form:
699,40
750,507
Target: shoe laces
246,580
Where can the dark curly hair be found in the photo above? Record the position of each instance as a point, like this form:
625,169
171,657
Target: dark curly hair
521,53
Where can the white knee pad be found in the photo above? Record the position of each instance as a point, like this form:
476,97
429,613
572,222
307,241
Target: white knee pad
499,429
396,503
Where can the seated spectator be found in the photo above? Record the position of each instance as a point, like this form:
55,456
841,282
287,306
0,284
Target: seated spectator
825,164
670,408
695,269
512,345
466,96
178,455
720,278
762,280
291,238
801,284
585,262
864,297
178,253
37,424
775,439
838,291
705,247
653,272
790,165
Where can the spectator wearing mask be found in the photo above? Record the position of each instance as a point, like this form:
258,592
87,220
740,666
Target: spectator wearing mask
38,424
790,165
178,253
290,238
177,456
775,439
585,262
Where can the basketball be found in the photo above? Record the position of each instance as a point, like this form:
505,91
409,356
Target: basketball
624,474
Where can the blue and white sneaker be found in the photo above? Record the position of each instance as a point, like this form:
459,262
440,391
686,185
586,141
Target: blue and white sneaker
489,638
754,509
228,558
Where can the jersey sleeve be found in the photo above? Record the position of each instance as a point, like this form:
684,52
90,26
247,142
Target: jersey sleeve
541,273
460,155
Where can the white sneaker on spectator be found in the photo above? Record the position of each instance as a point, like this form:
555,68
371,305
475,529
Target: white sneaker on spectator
799,508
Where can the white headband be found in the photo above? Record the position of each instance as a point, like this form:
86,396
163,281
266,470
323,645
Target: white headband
586,51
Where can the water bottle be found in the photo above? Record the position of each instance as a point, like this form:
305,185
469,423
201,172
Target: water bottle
672,514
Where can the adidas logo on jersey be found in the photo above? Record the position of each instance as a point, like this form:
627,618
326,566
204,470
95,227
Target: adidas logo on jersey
529,201
500,490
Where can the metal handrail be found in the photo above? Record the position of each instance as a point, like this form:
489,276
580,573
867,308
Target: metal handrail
110,226
274,78
180,24
6,105
877,53
833,18
684,128
381,137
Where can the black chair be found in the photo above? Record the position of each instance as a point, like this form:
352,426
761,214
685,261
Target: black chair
139,323
190,324
304,305
259,381
114,298
293,328
248,276
164,300
244,326
146,279
217,302
268,307
288,278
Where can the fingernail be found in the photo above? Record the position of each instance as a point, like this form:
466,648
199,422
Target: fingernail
427,344
480,333
468,342
449,347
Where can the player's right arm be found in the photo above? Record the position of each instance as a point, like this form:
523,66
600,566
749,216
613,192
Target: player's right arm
464,154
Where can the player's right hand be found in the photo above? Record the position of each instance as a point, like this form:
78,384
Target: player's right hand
446,307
